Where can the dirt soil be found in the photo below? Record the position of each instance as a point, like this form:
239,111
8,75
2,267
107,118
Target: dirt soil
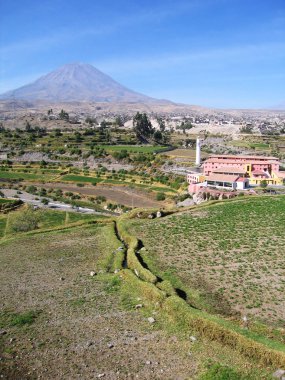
119,194
81,330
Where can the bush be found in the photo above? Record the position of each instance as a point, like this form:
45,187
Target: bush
25,220
160,196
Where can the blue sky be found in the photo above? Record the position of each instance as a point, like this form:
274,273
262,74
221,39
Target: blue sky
217,53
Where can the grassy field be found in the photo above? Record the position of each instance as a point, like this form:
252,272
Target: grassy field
230,256
47,219
80,178
257,145
132,148
62,323
91,180
22,175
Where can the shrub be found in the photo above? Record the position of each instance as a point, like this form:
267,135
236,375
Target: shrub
160,196
25,220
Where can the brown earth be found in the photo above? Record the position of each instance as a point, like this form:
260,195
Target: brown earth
119,194
87,327
185,153
81,331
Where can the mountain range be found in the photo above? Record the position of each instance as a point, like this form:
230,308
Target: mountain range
77,82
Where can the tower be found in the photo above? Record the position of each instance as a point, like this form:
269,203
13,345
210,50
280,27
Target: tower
198,152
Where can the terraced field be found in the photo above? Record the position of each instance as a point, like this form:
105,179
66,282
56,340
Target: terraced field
58,322
133,148
229,256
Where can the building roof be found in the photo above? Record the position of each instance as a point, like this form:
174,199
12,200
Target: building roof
223,156
230,170
258,172
222,178
242,179
244,161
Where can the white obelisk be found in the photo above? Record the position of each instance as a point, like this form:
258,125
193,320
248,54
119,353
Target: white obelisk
198,152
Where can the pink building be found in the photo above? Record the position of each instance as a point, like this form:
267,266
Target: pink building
249,164
236,172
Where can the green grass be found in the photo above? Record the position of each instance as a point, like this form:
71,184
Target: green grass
80,178
220,372
229,256
24,176
84,179
48,219
3,200
10,319
259,145
3,220
132,148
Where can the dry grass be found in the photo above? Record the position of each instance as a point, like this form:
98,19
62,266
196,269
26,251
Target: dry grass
65,318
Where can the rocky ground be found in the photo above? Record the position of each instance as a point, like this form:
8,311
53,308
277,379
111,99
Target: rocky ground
81,330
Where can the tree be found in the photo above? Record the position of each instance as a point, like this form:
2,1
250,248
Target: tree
28,127
119,122
57,132
142,127
45,201
90,120
161,124
263,184
63,115
157,136
248,128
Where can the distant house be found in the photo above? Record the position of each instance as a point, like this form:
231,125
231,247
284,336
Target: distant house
228,181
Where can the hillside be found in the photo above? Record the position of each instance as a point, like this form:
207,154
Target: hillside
230,254
62,322
76,82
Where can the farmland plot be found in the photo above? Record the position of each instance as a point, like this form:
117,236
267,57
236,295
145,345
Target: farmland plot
232,253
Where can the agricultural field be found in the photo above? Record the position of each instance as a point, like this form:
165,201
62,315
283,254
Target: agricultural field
60,322
133,148
228,257
46,219
265,145
22,176
135,188
185,153
130,196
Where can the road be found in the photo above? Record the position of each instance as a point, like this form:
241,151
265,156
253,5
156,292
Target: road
61,206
